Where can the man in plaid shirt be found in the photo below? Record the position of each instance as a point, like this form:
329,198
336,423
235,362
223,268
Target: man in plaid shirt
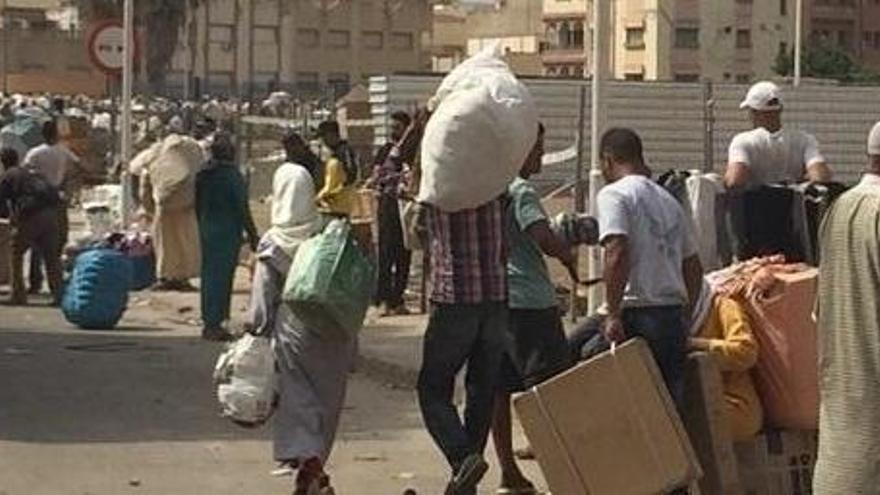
468,319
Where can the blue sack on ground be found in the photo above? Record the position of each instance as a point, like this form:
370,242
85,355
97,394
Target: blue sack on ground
97,293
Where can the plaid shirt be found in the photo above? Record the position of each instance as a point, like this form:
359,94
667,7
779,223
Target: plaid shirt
469,254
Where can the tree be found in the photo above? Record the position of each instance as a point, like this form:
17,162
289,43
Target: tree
161,21
824,61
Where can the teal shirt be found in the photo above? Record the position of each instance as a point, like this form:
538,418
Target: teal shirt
529,281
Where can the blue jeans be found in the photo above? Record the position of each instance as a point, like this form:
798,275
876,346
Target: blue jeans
459,335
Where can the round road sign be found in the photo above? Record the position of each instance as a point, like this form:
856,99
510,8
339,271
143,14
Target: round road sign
105,46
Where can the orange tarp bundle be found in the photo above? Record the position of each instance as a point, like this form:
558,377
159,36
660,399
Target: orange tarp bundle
780,299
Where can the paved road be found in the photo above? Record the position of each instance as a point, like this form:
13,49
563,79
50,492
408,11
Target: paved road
132,412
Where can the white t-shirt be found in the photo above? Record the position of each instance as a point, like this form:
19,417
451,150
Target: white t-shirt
658,235
774,157
51,161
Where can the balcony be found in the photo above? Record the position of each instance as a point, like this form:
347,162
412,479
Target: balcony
557,55
825,10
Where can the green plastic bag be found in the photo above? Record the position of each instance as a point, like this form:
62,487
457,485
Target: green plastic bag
331,281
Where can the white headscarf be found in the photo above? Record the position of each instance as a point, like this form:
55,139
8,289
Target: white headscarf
294,214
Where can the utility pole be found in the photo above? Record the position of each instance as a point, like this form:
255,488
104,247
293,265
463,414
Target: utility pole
5,51
206,51
235,32
798,39
251,49
597,111
127,76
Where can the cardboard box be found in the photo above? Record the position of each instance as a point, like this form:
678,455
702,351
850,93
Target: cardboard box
5,252
778,462
608,427
706,421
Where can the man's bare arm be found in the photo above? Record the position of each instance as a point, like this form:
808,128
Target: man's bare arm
737,175
819,172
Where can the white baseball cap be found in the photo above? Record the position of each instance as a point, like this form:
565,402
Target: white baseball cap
763,96
874,140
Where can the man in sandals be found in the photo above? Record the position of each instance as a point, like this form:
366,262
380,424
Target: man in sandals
536,348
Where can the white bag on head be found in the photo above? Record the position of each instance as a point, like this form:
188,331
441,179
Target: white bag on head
484,125
246,382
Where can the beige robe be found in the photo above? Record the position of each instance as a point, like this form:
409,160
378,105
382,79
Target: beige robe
849,345
175,224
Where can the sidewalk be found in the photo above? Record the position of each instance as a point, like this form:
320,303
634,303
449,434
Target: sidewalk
391,348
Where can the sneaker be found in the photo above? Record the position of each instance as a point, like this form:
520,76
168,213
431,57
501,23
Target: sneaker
468,476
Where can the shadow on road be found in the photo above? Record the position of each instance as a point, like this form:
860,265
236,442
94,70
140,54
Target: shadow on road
133,384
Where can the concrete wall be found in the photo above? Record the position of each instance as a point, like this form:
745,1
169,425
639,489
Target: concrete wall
49,60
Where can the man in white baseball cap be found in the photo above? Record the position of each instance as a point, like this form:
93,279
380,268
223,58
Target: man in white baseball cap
768,153
849,333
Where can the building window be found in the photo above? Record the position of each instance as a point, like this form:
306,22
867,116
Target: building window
783,8
338,38
339,83
687,78
634,76
373,40
687,38
564,71
577,35
743,78
402,41
308,38
843,40
307,81
877,40
635,38
743,38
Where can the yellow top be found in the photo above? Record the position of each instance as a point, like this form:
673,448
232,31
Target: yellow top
727,336
336,198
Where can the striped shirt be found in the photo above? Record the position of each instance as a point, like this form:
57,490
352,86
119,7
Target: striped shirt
469,254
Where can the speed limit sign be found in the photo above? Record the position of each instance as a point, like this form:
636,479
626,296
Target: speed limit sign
106,46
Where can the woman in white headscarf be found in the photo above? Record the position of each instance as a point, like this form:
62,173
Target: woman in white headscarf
312,365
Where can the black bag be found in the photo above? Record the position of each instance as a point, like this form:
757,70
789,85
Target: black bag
35,193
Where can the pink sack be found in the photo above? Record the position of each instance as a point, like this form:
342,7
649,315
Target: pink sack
787,375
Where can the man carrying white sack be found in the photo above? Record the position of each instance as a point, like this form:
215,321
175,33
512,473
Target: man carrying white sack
482,130
849,338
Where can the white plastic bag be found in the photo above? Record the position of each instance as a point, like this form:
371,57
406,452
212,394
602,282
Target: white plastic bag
484,124
246,382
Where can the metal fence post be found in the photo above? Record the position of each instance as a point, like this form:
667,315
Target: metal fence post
708,126
579,199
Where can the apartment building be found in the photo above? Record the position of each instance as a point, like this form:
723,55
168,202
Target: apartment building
684,40
462,30
852,25
309,47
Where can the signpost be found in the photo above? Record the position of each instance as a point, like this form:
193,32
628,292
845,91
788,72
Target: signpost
112,48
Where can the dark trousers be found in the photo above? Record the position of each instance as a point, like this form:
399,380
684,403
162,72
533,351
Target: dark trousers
38,258
663,328
459,335
394,258
38,232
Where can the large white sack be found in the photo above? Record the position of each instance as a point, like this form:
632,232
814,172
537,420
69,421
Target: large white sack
246,382
484,124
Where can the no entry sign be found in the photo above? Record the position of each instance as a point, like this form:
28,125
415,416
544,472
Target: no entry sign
105,46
